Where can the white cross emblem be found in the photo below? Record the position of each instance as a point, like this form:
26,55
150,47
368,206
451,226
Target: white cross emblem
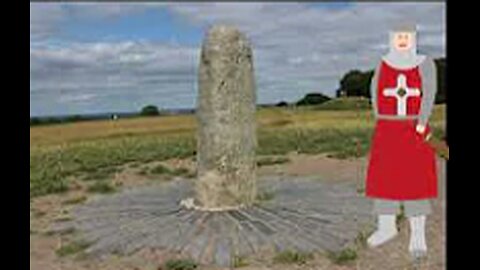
401,92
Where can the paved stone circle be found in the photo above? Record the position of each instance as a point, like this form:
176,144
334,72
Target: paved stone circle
301,214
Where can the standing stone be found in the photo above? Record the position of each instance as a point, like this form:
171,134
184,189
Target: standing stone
226,167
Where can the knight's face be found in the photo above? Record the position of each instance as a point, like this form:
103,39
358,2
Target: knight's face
403,41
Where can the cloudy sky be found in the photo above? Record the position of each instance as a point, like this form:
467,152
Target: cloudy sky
91,57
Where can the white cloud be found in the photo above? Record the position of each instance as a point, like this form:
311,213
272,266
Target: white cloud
46,19
76,98
293,41
103,73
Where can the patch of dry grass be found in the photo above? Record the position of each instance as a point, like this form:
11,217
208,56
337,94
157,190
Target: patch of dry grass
107,129
95,149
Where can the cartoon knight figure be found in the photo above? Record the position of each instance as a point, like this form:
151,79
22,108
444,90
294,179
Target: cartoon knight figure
402,167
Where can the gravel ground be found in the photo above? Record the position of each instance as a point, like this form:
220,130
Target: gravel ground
48,210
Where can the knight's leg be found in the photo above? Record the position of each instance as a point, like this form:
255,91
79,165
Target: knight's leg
386,211
417,211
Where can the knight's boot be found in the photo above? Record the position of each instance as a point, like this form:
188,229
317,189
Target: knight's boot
386,230
418,244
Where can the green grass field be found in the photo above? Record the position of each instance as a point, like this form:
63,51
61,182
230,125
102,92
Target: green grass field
95,150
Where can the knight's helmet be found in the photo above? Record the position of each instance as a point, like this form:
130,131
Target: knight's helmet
404,27
408,58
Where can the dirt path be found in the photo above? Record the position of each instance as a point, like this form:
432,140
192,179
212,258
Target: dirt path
393,255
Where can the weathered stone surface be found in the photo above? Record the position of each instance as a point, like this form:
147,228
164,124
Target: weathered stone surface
226,121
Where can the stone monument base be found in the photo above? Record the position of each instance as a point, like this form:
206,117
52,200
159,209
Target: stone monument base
294,214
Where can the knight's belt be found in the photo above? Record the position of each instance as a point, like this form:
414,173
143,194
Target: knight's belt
396,117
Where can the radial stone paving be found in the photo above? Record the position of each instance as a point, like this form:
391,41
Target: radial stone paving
303,214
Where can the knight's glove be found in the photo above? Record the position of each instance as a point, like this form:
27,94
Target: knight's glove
422,132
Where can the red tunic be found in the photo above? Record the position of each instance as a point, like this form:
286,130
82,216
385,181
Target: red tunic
401,166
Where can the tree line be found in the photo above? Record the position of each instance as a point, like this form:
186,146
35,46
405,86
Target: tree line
357,83
354,83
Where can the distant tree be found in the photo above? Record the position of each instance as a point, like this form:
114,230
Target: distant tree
35,121
51,120
281,104
313,99
340,93
149,110
74,118
357,83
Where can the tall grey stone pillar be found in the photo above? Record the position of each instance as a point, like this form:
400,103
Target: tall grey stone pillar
226,104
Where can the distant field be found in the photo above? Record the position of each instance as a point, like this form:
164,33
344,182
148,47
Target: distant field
60,152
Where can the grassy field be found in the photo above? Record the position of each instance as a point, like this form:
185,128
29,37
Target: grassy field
96,149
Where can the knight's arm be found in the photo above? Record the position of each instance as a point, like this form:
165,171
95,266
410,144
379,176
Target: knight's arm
429,89
373,90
